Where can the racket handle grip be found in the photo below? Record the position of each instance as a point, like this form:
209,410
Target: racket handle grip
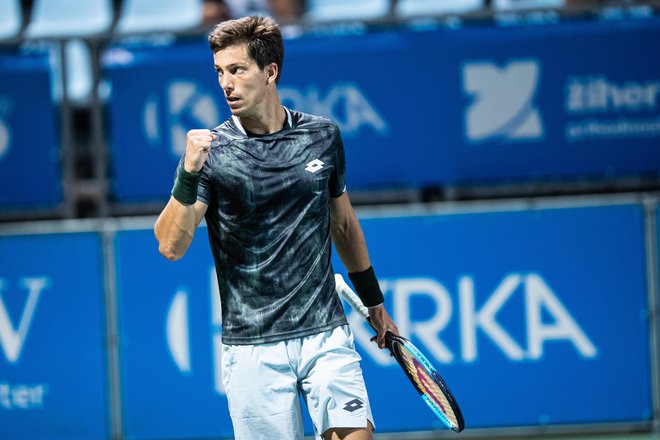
344,290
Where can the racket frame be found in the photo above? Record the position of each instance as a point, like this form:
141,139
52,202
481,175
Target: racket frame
391,340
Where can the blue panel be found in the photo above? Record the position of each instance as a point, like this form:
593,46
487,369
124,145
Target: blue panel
52,362
158,94
29,155
171,388
485,102
383,91
533,317
420,107
544,107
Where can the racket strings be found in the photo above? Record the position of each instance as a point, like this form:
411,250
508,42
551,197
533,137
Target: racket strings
427,384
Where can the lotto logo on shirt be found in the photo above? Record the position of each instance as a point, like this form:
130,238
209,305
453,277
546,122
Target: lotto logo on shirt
503,104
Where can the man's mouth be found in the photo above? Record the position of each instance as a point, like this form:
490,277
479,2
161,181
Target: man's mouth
232,99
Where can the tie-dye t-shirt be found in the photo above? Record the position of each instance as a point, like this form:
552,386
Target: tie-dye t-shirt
268,222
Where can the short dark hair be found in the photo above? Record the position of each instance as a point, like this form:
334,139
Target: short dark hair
261,35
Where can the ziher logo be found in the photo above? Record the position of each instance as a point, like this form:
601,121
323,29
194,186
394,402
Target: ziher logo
539,300
182,105
503,105
5,130
610,109
597,94
346,104
12,341
541,304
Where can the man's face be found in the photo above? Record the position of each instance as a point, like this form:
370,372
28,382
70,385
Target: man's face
243,83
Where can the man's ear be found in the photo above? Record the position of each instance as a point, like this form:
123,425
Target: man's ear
272,70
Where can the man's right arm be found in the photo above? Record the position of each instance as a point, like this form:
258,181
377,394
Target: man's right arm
176,225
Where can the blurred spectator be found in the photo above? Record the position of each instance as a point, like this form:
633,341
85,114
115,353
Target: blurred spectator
533,4
281,10
581,2
214,11
286,10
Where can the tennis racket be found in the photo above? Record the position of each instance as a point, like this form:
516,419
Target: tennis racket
426,380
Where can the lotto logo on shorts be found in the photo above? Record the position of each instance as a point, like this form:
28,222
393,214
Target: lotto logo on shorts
503,101
353,405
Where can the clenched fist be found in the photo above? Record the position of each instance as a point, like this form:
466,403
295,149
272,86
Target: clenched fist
198,146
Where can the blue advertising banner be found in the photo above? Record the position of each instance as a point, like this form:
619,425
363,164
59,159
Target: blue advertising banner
487,102
516,308
171,350
545,107
158,94
419,106
533,317
29,154
52,361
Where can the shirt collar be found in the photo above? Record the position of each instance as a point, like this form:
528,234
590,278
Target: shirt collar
237,121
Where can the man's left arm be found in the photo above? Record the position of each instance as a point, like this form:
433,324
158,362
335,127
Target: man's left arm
351,246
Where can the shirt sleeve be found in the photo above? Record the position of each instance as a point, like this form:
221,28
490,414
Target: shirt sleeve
204,188
337,181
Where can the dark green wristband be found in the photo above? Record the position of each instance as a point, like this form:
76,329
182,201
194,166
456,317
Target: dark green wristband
367,287
185,186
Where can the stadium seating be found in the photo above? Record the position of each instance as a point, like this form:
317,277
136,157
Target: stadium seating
501,5
241,8
159,15
407,8
69,18
328,10
10,19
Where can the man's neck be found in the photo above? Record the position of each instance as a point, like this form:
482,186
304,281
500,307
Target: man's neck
270,120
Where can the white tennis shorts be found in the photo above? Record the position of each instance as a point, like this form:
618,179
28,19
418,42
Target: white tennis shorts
264,383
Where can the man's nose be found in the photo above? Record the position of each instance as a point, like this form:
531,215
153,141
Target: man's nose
226,83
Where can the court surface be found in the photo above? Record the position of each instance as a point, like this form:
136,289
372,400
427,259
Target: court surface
636,436
502,436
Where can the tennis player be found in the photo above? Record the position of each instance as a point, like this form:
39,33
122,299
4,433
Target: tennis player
270,182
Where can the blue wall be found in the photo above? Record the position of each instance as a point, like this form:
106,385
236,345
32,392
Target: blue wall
419,107
30,174
515,307
52,337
